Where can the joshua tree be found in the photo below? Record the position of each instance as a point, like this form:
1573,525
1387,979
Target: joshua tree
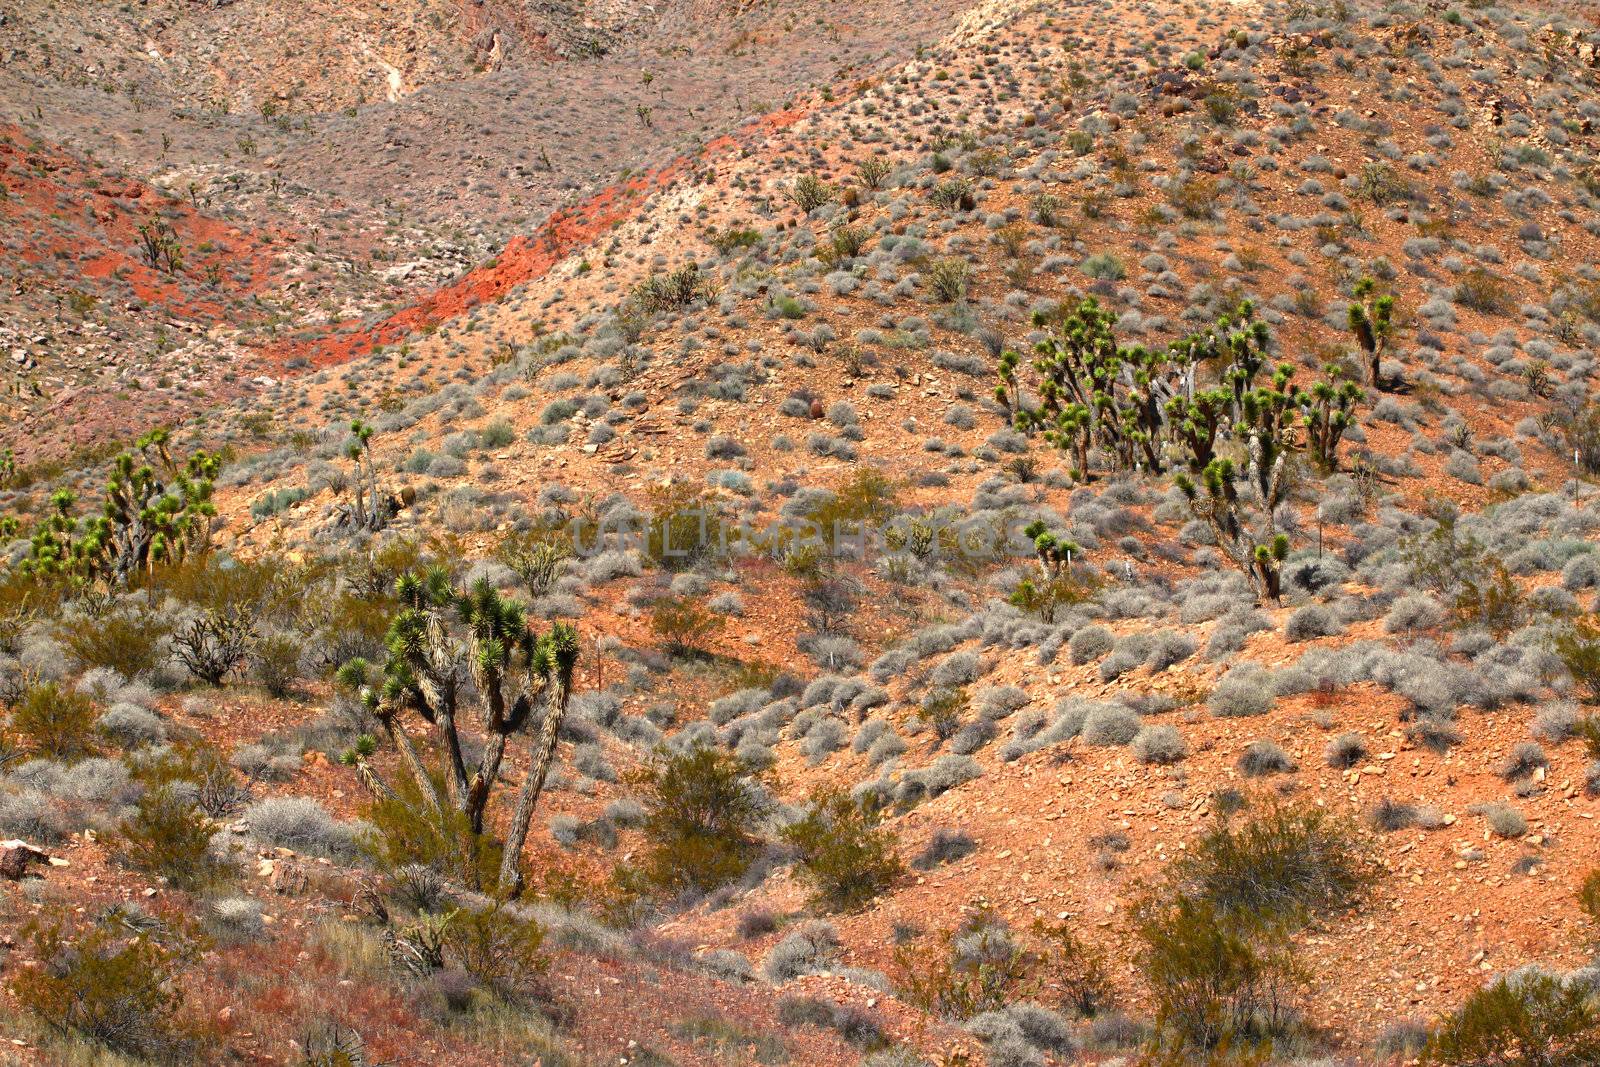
1372,321
159,242
371,508
1129,401
1055,554
1255,547
426,673
155,511
1327,410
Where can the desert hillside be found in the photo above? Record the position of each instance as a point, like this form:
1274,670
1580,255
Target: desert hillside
1007,533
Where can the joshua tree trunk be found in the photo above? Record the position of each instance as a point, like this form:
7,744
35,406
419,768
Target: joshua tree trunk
528,796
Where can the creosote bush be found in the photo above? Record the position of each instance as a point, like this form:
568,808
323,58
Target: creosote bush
1281,865
128,642
701,814
56,723
169,836
684,625
112,983
497,946
973,968
1528,1019
1215,939
844,853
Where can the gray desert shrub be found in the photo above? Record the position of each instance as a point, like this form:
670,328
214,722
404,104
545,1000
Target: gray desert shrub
939,777
1345,751
1262,758
302,825
956,669
237,920
1159,745
1244,691
1128,653
1168,647
973,736
1556,724
809,949
1090,643
1502,818
33,816
1311,621
728,965
130,725
945,846
1413,612
1523,760
1110,724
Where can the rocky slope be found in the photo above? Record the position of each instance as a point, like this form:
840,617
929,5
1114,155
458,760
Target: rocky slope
772,301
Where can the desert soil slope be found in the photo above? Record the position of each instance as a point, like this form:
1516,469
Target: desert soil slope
576,268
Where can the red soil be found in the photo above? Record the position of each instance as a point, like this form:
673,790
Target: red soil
97,237
523,259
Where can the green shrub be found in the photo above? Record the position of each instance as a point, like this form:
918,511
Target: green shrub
948,278
1381,185
536,558
1195,198
497,947
496,434
1220,979
846,856
867,499
1582,429
685,528
954,193
1532,1020
1077,973
216,583
55,723
1579,648
809,192
126,642
199,765
346,627
873,171
700,819
731,240
275,661
169,836
973,968
406,831
1281,866
684,625
1589,896
941,710
669,292
847,243
1483,291
1216,947
109,984
1491,600
1048,596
